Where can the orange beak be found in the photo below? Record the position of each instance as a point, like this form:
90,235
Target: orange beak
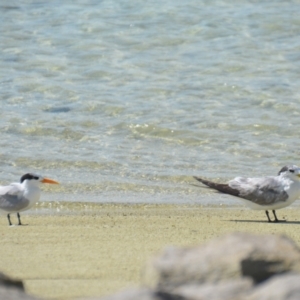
48,180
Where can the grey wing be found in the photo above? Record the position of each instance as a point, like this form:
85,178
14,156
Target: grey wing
262,191
10,199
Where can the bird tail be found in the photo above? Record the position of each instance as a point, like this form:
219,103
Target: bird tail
223,188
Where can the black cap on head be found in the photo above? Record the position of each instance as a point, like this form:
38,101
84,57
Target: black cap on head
28,176
284,169
290,168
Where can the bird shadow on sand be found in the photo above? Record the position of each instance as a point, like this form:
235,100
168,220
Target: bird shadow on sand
261,221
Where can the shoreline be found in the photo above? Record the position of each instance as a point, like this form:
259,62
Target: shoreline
78,250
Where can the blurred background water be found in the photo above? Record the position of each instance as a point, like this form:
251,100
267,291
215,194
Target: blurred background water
123,101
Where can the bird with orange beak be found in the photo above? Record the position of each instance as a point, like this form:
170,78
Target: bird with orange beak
18,197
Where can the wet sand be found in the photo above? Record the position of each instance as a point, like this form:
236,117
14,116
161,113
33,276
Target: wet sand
81,250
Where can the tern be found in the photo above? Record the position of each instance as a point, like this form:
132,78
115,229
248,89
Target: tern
18,197
264,193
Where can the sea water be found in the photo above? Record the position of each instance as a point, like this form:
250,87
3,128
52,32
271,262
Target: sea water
124,101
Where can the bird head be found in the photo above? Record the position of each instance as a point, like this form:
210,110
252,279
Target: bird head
292,171
35,179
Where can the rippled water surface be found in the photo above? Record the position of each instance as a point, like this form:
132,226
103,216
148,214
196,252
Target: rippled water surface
123,101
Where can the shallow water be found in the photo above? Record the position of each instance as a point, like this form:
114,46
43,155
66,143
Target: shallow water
125,101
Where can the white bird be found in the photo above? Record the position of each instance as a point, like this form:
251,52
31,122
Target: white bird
18,197
265,193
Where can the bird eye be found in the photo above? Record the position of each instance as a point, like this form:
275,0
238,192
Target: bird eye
36,178
292,171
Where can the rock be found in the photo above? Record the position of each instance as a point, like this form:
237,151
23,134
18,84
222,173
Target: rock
11,289
60,109
133,294
12,293
9,282
233,256
280,287
226,290
239,266
223,291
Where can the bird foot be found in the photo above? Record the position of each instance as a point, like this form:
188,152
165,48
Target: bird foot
276,221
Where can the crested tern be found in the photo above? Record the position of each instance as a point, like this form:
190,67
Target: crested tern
18,197
265,193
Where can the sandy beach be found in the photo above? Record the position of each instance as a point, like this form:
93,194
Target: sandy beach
81,250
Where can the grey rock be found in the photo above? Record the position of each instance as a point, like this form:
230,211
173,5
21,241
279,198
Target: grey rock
61,109
223,291
280,287
233,256
226,290
13,293
12,289
239,266
133,294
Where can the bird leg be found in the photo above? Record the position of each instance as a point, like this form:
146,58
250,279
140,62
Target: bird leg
9,222
276,220
19,218
267,213
275,217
